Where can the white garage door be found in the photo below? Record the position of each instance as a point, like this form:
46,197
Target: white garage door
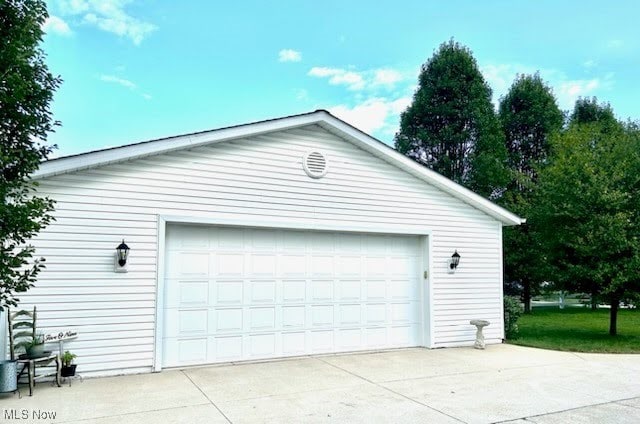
243,293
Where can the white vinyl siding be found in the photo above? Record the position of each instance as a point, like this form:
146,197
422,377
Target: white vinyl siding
256,178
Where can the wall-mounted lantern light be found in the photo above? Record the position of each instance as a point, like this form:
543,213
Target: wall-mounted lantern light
454,262
122,254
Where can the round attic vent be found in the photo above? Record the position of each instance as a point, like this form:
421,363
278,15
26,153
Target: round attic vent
315,164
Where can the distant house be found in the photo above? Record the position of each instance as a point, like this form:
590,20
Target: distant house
292,236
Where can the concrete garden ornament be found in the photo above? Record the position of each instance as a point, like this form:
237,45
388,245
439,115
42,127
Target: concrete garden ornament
480,324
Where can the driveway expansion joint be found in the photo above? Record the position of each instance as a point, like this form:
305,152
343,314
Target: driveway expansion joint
533,417
205,395
390,391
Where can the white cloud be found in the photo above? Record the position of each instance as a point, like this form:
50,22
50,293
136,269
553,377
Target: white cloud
56,25
359,80
501,76
615,44
112,79
567,92
337,76
321,71
288,55
374,114
109,16
73,7
386,76
120,81
590,63
302,94
400,105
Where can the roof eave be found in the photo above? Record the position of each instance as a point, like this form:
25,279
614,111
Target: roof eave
328,121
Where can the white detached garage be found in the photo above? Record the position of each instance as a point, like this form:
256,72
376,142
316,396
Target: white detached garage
294,236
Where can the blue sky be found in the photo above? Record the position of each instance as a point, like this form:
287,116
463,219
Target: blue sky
141,69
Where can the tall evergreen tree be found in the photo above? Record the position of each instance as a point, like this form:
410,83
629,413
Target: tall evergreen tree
451,125
530,116
26,89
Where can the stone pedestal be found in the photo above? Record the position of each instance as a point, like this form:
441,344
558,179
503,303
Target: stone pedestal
480,324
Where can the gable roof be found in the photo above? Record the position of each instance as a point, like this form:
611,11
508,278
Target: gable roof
322,118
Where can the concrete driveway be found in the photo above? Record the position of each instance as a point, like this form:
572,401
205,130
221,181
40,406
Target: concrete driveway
502,383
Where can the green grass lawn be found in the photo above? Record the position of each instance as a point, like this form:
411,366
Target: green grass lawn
579,330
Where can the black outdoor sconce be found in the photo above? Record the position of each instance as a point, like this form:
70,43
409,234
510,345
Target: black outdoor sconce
122,254
454,262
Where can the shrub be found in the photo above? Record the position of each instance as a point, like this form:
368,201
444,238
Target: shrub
512,311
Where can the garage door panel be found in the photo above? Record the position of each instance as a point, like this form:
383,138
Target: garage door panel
404,289
228,320
375,266
376,313
322,315
403,312
375,337
400,335
294,291
227,348
349,243
228,238
262,291
349,266
349,339
294,343
262,345
321,341
349,290
263,240
293,317
294,240
262,318
192,321
293,266
185,293
322,242
192,351
321,290
262,265
376,289
322,266
187,264
187,237
240,293
228,292
350,314
230,265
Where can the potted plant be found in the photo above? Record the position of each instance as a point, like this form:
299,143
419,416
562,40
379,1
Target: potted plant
68,367
35,348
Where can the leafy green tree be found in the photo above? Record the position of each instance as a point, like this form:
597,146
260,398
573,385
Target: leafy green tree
589,210
451,125
530,116
588,110
26,89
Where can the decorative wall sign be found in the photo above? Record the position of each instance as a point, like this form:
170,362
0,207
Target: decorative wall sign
60,336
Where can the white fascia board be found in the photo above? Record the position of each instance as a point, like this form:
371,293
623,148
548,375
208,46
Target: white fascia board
153,147
426,174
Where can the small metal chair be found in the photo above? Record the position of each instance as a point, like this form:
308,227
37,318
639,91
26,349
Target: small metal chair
22,331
